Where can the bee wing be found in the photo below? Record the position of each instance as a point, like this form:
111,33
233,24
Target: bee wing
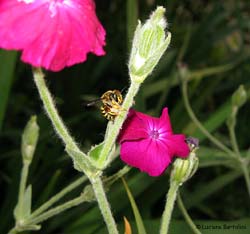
92,103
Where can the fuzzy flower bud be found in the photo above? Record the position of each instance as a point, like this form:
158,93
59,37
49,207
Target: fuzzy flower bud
150,42
29,140
239,97
184,169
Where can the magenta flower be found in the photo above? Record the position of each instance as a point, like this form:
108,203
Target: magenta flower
149,144
51,33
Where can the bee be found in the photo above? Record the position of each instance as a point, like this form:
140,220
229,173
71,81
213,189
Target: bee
111,104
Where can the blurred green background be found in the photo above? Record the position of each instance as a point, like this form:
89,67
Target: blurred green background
212,38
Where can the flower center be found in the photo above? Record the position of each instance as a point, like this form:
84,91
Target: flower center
154,134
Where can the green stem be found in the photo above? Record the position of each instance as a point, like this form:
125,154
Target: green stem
82,162
56,210
22,188
113,128
104,205
186,215
111,179
243,162
171,196
58,196
246,175
219,144
212,70
51,109
76,154
234,141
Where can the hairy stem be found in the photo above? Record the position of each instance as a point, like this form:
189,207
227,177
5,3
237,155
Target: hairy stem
113,129
22,188
56,210
171,197
243,163
58,196
51,110
246,175
82,162
215,141
104,205
234,141
77,156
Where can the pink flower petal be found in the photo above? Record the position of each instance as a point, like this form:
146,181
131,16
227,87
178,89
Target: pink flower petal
145,155
178,146
133,128
149,144
165,122
52,33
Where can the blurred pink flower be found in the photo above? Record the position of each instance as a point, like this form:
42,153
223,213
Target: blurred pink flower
149,144
51,33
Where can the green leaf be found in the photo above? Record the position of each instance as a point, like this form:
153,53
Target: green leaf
87,221
138,219
214,121
17,212
80,161
24,211
95,151
27,202
30,228
7,67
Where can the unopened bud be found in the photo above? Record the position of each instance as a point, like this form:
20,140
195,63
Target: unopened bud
29,140
150,42
184,169
239,97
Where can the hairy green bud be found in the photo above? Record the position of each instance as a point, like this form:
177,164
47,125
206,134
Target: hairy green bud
149,44
184,169
29,140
